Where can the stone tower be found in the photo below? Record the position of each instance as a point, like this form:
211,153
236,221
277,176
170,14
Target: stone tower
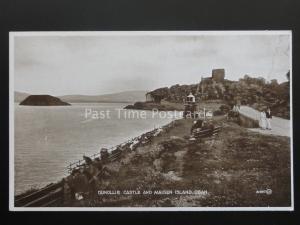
218,75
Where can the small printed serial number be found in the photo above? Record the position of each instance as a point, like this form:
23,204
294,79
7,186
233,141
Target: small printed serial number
267,191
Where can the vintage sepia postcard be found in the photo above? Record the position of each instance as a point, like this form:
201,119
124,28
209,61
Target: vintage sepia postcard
151,121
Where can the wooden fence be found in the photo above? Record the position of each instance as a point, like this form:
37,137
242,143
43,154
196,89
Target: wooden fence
50,195
53,194
81,162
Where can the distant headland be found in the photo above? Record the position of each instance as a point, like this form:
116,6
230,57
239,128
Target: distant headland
43,100
252,91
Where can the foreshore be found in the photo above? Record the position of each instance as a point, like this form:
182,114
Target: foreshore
163,106
130,144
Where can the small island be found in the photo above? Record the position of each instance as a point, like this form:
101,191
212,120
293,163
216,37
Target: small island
43,100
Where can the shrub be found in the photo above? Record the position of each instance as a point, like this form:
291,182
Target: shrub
218,113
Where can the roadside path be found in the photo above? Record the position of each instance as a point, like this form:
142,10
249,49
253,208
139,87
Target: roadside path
280,126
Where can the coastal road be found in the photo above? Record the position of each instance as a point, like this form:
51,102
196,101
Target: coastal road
280,126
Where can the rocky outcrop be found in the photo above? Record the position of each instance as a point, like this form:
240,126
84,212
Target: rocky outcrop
158,94
255,92
43,100
154,106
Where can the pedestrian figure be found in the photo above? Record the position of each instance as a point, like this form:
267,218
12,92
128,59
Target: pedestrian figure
197,124
269,117
234,108
262,121
238,105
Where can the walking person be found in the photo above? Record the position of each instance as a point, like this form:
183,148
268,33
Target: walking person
238,105
263,121
269,117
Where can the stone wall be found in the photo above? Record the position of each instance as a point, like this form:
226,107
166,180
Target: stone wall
247,122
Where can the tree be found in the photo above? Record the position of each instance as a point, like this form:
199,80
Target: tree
288,75
261,81
247,78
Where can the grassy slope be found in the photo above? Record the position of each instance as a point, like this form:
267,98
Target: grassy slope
231,167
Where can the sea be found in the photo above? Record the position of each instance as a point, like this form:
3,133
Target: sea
48,138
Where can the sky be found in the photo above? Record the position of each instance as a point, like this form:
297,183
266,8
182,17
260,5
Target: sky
95,65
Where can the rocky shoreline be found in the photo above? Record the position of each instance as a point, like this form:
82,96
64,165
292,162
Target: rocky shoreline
165,106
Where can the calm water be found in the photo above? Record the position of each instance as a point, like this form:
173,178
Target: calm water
48,138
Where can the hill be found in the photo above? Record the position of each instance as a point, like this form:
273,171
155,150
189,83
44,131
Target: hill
20,96
43,100
125,96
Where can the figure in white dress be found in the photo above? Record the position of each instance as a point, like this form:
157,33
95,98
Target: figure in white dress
234,109
263,120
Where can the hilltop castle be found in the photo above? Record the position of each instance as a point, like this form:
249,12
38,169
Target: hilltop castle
202,90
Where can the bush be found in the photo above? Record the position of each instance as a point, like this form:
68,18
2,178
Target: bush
225,108
218,113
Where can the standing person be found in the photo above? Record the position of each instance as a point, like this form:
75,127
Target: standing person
269,117
262,121
238,105
234,108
